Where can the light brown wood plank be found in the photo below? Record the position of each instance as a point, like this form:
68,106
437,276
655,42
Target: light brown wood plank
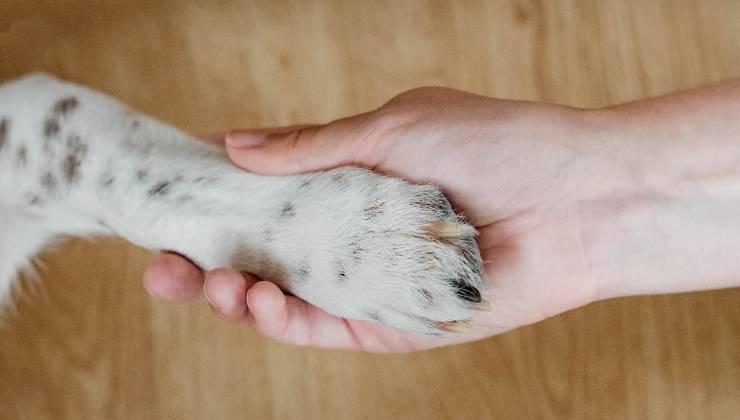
90,344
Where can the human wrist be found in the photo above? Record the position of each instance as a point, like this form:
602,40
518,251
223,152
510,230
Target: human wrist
666,217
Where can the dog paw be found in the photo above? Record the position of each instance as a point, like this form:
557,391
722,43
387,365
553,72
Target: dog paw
363,246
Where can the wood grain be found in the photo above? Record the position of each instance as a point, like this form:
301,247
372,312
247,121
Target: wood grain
90,344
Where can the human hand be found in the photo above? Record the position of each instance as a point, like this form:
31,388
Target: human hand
509,167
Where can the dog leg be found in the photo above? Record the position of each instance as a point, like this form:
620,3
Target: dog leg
350,241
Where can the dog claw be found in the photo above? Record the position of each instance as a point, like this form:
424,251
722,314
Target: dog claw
448,229
460,327
467,292
483,306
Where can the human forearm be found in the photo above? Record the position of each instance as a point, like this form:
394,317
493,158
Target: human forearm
669,218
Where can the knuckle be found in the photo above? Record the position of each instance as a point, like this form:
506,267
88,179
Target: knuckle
298,143
387,122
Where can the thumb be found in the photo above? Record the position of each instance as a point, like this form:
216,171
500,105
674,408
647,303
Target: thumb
298,149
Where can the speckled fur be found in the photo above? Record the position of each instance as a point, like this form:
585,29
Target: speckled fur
357,244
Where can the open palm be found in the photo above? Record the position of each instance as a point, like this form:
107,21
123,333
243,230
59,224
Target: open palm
507,166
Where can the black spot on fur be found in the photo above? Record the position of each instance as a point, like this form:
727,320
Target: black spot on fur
288,210
49,181
436,204
185,198
160,189
375,316
205,180
107,181
305,184
104,225
303,271
65,106
4,129
356,250
267,235
374,210
427,294
341,273
141,175
61,108
51,128
341,180
76,151
22,156
71,167
35,200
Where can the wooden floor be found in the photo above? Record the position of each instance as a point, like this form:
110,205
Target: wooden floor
90,344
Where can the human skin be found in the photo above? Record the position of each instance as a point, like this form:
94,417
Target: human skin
572,206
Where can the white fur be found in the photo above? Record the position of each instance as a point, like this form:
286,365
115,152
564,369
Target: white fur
75,162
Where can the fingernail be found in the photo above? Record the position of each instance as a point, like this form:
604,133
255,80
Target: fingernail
243,139
210,302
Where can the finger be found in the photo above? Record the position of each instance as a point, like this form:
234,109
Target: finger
307,148
226,291
267,310
307,325
214,138
293,321
172,277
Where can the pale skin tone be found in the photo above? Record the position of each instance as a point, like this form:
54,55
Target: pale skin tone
572,206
